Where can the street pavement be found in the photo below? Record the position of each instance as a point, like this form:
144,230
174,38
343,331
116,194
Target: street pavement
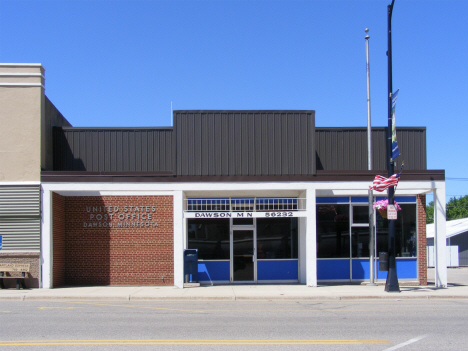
457,288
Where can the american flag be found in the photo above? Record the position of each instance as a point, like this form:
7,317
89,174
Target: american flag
382,183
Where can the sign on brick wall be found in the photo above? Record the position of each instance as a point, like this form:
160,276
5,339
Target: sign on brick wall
127,216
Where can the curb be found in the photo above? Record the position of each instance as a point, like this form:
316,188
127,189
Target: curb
229,298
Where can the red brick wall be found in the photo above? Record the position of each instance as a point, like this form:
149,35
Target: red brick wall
58,240
422,241
31,258
100,252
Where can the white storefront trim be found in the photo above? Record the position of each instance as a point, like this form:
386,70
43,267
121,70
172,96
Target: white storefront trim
181,191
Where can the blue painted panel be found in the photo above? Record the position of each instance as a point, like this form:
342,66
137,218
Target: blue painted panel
213,270
332,200
332,269
403,199
407,268
359,199
399,199
277,270
360,268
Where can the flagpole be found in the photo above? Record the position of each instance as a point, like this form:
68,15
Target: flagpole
391,284
369,166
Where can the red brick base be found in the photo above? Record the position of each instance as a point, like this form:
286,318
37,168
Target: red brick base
422,242
113,240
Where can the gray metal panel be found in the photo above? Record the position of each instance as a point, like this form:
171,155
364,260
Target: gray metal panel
20,201
244,142
461,240
21,235
113,149
20,217
346,148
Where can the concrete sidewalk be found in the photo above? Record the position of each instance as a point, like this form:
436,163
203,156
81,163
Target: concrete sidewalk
237,292
457,289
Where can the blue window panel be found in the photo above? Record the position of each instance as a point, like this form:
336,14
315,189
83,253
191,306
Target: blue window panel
213,270
407,268
359,199
404,199
333,269
400,199
277,270
360,268
332,200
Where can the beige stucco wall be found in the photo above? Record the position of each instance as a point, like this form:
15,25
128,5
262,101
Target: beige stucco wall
22,108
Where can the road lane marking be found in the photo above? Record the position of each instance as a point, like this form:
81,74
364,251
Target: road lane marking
341,309
58,308
406,343
135,306
190,342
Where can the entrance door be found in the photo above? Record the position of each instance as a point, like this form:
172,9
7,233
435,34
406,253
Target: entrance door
243,256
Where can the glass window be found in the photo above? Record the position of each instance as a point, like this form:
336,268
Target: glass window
361,214
405,232
242,221
276,238
332,231
210,237
360,241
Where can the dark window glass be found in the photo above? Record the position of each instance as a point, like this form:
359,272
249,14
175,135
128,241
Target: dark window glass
360,241
210,237
405,232
360,214
332,231
276,238
242,221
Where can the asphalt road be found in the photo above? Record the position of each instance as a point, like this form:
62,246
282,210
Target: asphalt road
235,325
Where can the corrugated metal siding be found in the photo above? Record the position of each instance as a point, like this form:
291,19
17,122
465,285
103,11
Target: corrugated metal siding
346,148
20,218
461,241
21,235
113,149
244,142
20,201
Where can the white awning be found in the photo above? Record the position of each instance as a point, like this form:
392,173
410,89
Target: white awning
452,228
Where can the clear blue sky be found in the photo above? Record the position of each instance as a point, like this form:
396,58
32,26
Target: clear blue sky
121,63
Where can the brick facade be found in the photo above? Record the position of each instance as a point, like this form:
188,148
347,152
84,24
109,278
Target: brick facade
31,258
58,244
114,240
422,241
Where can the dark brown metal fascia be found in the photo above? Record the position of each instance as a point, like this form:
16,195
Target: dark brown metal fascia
157,177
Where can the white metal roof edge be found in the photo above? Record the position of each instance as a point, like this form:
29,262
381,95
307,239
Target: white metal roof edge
452,228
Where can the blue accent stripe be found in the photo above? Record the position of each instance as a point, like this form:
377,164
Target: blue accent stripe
407,268
360,268
213,270
277,270
359,199
332,200
333,269
399,199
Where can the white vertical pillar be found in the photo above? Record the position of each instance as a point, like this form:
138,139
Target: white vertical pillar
440,236
178,239
302,222
302,249
46,239
311,239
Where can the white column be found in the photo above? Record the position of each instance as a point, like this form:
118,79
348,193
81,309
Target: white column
46,240
178,239
302,249
440,236
311,239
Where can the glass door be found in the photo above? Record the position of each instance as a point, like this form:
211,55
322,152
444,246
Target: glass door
243,256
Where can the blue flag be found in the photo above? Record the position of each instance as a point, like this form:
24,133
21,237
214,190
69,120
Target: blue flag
395,151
